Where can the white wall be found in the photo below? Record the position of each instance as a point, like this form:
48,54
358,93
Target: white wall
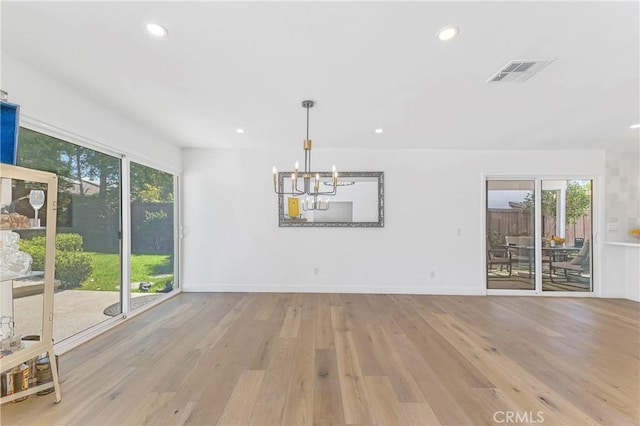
44,99
233,242
622,269
622,195
622,213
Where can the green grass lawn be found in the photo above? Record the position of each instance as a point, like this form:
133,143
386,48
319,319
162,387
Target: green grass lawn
106,271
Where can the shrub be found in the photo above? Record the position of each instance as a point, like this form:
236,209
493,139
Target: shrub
69,242
35,247
72,265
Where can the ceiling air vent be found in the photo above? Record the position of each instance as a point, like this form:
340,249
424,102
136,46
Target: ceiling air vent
519,70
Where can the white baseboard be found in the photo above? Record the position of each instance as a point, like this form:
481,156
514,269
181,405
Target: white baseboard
358,289
613,294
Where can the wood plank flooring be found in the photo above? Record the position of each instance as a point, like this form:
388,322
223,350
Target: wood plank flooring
298,359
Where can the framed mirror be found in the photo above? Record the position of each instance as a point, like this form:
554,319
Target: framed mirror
359,202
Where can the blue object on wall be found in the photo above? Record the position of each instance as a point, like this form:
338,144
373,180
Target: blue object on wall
8,132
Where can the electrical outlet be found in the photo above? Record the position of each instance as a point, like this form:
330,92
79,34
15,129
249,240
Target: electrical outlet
316,271
432,274
613,226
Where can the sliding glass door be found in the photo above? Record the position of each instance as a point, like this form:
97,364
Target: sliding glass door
153,214
510,230
88,261
566,210
93,242
539,235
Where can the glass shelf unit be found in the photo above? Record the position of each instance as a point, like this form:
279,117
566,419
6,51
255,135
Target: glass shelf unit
28,201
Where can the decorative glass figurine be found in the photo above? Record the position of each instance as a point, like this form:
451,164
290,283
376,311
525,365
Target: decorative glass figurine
13,261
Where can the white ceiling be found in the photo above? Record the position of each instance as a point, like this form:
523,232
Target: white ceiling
367,64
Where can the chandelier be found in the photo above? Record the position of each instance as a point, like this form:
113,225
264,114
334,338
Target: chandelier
313,201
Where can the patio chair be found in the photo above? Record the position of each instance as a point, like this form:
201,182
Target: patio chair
500,257
523,253
574,269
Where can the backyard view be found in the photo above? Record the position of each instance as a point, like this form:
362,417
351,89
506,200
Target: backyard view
88,242
565,235
156,269
82,270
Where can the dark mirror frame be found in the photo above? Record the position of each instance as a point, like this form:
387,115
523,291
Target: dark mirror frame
341,175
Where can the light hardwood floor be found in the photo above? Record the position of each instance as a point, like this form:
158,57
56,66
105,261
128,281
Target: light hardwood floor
357,359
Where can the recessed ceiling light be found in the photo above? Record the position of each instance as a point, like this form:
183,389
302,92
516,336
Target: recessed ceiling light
635,126
379,130
157,30
447,33
239,130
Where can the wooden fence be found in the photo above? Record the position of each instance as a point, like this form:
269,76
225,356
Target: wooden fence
501,223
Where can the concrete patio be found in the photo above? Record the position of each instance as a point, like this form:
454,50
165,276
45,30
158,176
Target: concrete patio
75,311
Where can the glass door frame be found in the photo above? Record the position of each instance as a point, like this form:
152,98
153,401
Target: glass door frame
125,226
596,200
43,128
177,231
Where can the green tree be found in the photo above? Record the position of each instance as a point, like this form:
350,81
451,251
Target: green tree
76,166
101,168
548,203
578,202
149,194
42,152
149,185
548,206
